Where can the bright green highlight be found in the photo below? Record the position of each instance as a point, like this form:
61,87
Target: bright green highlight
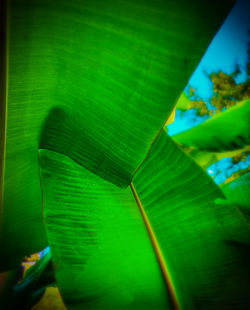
183,102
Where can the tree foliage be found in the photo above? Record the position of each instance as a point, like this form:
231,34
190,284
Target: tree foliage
226,92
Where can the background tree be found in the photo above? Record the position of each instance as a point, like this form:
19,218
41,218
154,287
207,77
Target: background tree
227,92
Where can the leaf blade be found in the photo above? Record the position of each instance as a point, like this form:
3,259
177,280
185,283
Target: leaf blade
110,258
226,131
238,193
200,236
187,211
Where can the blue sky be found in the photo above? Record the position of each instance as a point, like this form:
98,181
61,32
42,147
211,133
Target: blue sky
228,47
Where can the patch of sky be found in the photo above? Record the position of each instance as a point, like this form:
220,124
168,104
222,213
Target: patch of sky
228,48
44,251
224,168
184,121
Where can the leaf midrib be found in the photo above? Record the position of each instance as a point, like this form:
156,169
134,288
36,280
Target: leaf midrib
157,250
4,63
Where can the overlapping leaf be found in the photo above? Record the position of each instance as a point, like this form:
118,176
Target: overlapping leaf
205,159
101,251
199,227
101,248
94,80
238,193
226,131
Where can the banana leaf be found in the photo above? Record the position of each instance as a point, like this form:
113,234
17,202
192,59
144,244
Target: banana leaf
238,193
169,241
205,159
227,131
93,80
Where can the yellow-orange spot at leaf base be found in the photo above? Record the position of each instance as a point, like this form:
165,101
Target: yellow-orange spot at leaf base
51,299
170,118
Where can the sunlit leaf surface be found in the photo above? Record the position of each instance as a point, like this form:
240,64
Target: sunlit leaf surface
196,229
93,80
102,252
100,247
183,102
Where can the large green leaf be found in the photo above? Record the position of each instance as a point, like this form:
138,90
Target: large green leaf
3,90
226,131
94,80
101,248
102,255
238,193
